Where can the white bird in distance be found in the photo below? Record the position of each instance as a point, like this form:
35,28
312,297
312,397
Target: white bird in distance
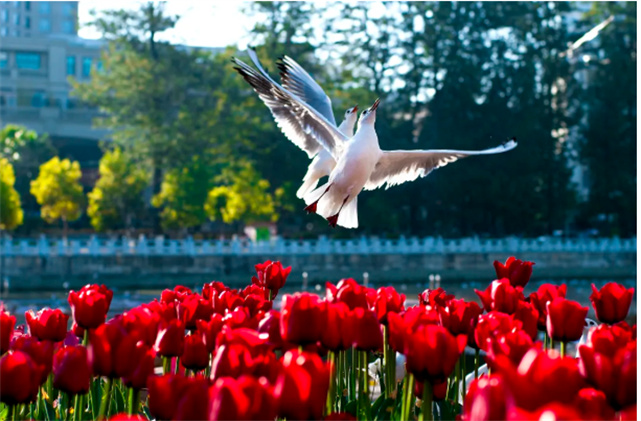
360,162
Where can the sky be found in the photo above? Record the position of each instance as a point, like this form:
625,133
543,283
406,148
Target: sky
203,23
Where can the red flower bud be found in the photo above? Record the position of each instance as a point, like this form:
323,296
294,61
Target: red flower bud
171,338
487,399
193,308
349,292
47,324
142,360
90,305
388,300
301,318
19,377
40,351
242,399
7,324
434,297
492,324
195,355
501,296
270,325
517,271
365,330
612,302
164,393
71,371
540,299
210,330
565,320
432,352
271,275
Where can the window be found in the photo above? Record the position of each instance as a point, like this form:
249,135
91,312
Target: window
27,22
45,7
3,32
68,27
71,65
44,26
5,15
27,5
38,99
67,9
16,18
4,63
30,61
86,66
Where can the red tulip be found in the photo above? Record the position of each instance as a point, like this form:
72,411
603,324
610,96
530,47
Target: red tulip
271,275
628,414
388,300
434,297
301,388
78,331
365,330
540,299
164,394
127,417
439,390
166,311
195,355
516,270
110,347
193,308
256,304
606,339
171,338
401,326
71,371
301,318
242,399
566,320
47,324
487,399
211,289
41,352
7,324
270,326
90,305
460,317
349,292
232,360
431,353
501,296
513,345
226,301
492,324
19,377
612,302
528,315
593,405
144,322
142,360
550,412
615,376
338,334
194,402
541,378
210,330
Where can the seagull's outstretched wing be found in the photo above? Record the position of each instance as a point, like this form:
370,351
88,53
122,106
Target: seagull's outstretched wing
296,80
300,122
398,167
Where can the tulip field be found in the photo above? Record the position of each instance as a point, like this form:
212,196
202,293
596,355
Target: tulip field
227,354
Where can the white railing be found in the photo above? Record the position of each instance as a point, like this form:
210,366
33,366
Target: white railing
159,246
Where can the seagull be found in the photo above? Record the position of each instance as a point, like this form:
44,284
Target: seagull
360,162
296,80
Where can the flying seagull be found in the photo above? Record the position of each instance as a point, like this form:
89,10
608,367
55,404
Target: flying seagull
296,80
360,163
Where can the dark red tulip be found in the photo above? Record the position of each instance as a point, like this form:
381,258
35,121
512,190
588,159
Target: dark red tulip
388,300
226,301
210,329
41,352
240,317
528,315
338,334
540,299
194,402
7,323
566,320
195,355
171,339
127,417
254,341
232,360
255,290
628,414
193,308
401,326
460,317
487,399
301,318
211,289
270,325
501,296
90,305
256,304
612,302
143,321
513,345
365,330
77,330
142,360
608,339
19,377
301,388
271,275
431,353
492,324
164,393
541,378
71,370
550,412
593,405
107,345
47,324
166,311
516,270
349,292
434,297
439,390
615,376
243,399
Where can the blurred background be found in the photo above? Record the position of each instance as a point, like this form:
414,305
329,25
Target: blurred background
125,127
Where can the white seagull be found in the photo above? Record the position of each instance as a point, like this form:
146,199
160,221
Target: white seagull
360,162
296,80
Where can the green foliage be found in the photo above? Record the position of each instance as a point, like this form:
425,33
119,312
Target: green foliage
117,197
58,191
245,197
10,209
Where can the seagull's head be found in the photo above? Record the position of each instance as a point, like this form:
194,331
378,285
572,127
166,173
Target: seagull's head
369,115
351,115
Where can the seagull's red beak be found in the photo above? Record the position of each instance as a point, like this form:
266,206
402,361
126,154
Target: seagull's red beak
355,108
375,106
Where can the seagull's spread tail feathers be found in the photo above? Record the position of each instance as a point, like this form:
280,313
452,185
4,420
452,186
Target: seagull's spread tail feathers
348,218
309,183
330,204
315,194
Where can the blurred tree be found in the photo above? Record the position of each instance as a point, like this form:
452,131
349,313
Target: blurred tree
10,209
117,198
609,149
25,150
243,197
58,191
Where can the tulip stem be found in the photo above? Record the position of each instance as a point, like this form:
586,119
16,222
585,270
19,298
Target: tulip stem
11,415
457,379
134,401
408,391
352,376
552,344
563,348
85,338
477,360
77,407
331,393
177,365
545,342
106,400
463,374
166,365
426,412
